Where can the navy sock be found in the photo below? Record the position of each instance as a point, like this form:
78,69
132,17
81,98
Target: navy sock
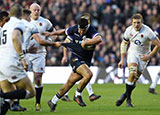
16,94
38,94
129,89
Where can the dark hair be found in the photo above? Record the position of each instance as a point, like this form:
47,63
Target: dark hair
3,14
26,12
83,23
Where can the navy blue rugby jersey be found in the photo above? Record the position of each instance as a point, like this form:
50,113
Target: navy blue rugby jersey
157,31
76,38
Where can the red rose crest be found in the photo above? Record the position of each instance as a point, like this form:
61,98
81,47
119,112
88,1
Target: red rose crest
142,35
40,24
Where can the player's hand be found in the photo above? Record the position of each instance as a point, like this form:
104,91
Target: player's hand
64,60
145,58
32,49
47,34
121,64
57,44
83,44
25,65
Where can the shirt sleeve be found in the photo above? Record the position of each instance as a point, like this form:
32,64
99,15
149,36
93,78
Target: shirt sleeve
20,26
151,34
49,26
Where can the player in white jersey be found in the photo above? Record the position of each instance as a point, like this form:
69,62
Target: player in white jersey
154,83
140,37
38,59
12,62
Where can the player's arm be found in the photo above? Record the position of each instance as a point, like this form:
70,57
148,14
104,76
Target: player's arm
58,32
64,59
156,48
123,51
16,38
95,40
43,42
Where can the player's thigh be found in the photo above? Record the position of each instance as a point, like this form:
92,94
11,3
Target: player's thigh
7,86
26,84
84,70
74,77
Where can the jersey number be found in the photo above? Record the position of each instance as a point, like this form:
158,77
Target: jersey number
3,38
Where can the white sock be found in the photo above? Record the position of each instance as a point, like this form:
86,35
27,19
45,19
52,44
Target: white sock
89,89
154,83
78,94
66,93
55,99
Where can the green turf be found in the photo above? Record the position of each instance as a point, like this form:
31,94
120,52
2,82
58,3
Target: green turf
145,103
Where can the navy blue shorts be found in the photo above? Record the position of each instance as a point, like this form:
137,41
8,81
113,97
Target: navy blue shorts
76,62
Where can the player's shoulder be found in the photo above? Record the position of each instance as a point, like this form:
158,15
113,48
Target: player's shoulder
146,27
15,22
43,19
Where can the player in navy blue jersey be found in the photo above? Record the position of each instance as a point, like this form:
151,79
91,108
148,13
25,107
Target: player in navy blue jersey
154,83
82,40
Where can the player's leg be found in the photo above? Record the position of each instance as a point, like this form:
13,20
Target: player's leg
92,96
5,103
86,74
130,85
25,90
38,66
39,89
73,78
66,97
153,85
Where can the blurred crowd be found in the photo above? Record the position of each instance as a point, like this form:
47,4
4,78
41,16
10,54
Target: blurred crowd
110,17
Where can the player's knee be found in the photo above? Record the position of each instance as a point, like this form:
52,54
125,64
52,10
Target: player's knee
132,69
38,80
89,75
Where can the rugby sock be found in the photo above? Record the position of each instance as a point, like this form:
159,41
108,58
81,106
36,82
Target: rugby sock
38,94
78,93
56,98
89,89
129,89
16,94
154,83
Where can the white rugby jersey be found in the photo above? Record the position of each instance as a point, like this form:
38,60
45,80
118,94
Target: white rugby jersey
30,29
140,41
42,25
7,50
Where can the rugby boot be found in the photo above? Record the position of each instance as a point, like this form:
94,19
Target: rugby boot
152,90
79,100
94,97
121,100
129,104
52,106
38,107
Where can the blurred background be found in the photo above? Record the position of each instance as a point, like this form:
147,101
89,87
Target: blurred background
110,17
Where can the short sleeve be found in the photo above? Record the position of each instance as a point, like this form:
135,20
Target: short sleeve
20,26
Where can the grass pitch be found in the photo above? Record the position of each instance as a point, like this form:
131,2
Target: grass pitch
145,103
